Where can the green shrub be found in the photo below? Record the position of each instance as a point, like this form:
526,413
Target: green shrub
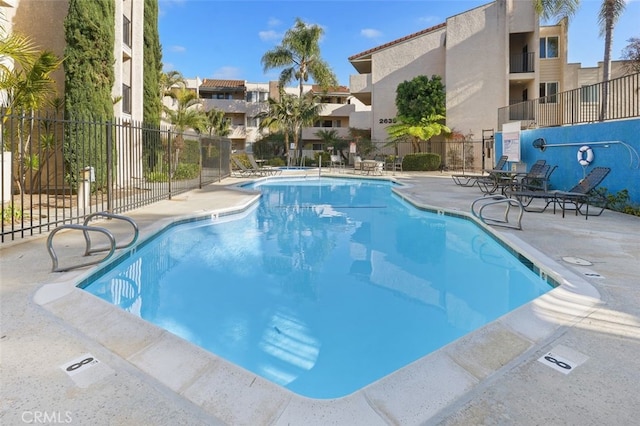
620,202
191,151
157,177
326,158
186,171
276,162
11,213
421,162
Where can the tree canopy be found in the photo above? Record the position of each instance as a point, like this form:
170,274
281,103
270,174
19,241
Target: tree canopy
421,97
89,73
152,69
299,56
631,53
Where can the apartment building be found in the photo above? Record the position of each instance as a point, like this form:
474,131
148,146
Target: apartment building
489,57
486,57
49,34
243,101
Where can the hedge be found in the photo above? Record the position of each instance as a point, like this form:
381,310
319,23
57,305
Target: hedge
422,161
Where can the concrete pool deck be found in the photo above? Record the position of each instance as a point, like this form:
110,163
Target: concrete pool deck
497,375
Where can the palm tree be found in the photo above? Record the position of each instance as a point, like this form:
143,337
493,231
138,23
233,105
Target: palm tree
216,124
168,82
331,138
278,118
305,111
299,54
548,9
415,132
610,12
28,88
187,115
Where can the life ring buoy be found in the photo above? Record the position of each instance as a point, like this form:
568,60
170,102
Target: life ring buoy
585,155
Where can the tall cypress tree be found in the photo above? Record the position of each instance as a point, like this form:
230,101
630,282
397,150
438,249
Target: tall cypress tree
152,58
89,79
88,65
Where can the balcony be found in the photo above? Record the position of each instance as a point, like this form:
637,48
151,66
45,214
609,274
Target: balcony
522,63
337,110
309,133
237,132
360,86
226,105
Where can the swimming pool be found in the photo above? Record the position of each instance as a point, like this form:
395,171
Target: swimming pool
325,286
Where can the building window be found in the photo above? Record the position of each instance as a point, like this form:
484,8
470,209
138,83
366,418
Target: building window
126,99
317,147
548,47
327,123
589,94
548,92
253,122
126,31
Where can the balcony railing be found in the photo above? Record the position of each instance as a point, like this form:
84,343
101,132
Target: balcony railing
611,100
522,62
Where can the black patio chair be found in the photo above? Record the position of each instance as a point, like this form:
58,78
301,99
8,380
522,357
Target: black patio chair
580,196
470,179
506,179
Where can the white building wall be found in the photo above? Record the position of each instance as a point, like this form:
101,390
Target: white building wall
422,55
477,68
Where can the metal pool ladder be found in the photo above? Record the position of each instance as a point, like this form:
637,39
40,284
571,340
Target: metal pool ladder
86,231
478,206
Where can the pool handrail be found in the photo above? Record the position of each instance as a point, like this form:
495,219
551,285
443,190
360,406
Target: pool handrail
86,230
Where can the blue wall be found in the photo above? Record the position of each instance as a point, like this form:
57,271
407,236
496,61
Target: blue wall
624,164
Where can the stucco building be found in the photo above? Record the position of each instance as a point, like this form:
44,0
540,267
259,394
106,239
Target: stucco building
242,102
48,33
489,57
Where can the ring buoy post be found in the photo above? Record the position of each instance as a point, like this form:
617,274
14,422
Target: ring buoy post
585,155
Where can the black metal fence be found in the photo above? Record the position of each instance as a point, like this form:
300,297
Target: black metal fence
611,100
58,171
455,155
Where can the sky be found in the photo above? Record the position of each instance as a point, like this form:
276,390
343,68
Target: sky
226,39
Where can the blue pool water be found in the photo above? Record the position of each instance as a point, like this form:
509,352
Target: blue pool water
323,287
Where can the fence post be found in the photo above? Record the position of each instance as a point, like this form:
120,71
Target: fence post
170,161
109,157
200,160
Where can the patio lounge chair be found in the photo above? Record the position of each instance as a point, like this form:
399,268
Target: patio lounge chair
465,179
336,161
243,171
269,171
581,195
506,179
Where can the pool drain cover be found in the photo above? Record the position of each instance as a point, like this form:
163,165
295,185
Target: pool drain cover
576,261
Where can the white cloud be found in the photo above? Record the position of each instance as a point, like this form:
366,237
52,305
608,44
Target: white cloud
274,22
370,33
268,35
227,73
178,49
429,19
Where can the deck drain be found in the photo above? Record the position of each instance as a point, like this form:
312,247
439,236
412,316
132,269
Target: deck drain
576,261
592,274
563,359
86,370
